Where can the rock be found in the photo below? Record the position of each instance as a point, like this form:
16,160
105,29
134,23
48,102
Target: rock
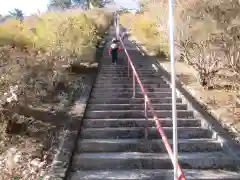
45,157
10,158
2,162
47,177
25,172
94,65
17,157
33,170
37,163
37,154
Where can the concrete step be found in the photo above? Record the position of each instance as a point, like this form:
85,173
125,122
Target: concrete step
136,114
126,67
117,69
120,66
129,81
118,122
156,174
140,68
137,132
113,83
131,100
147,146
134,160
125,70
130,85
121,89
130,94
143,75
125,75
113,70
100,78
128,90
167,106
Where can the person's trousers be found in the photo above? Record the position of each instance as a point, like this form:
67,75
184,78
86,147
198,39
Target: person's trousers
114,57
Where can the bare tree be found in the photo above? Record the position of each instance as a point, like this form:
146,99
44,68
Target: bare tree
17,13
60,4
206,59
100,3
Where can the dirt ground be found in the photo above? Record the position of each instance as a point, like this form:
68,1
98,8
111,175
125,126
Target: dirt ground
27,153
220,101
39,117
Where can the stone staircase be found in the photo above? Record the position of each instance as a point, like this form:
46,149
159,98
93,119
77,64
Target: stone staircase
112,144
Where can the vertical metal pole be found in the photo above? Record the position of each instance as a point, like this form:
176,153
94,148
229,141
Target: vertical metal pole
174,113
134,84
117,26
146,116
115,22
128,68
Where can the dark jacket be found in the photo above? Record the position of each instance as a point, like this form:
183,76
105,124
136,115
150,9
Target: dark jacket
114,49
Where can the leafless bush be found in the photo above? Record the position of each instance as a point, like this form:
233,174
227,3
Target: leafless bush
231,45
206,59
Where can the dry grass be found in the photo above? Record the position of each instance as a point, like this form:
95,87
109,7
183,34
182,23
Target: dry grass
34,55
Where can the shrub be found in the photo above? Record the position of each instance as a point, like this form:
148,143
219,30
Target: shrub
101,18
62,38
51,40
16,34
126,19
147,32
71,36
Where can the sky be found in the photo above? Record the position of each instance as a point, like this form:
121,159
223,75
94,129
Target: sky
27,6
32,6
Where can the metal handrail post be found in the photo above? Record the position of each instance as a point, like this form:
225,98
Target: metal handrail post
134,85
128,68
146,116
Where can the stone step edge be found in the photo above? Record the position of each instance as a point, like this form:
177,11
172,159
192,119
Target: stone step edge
153,174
